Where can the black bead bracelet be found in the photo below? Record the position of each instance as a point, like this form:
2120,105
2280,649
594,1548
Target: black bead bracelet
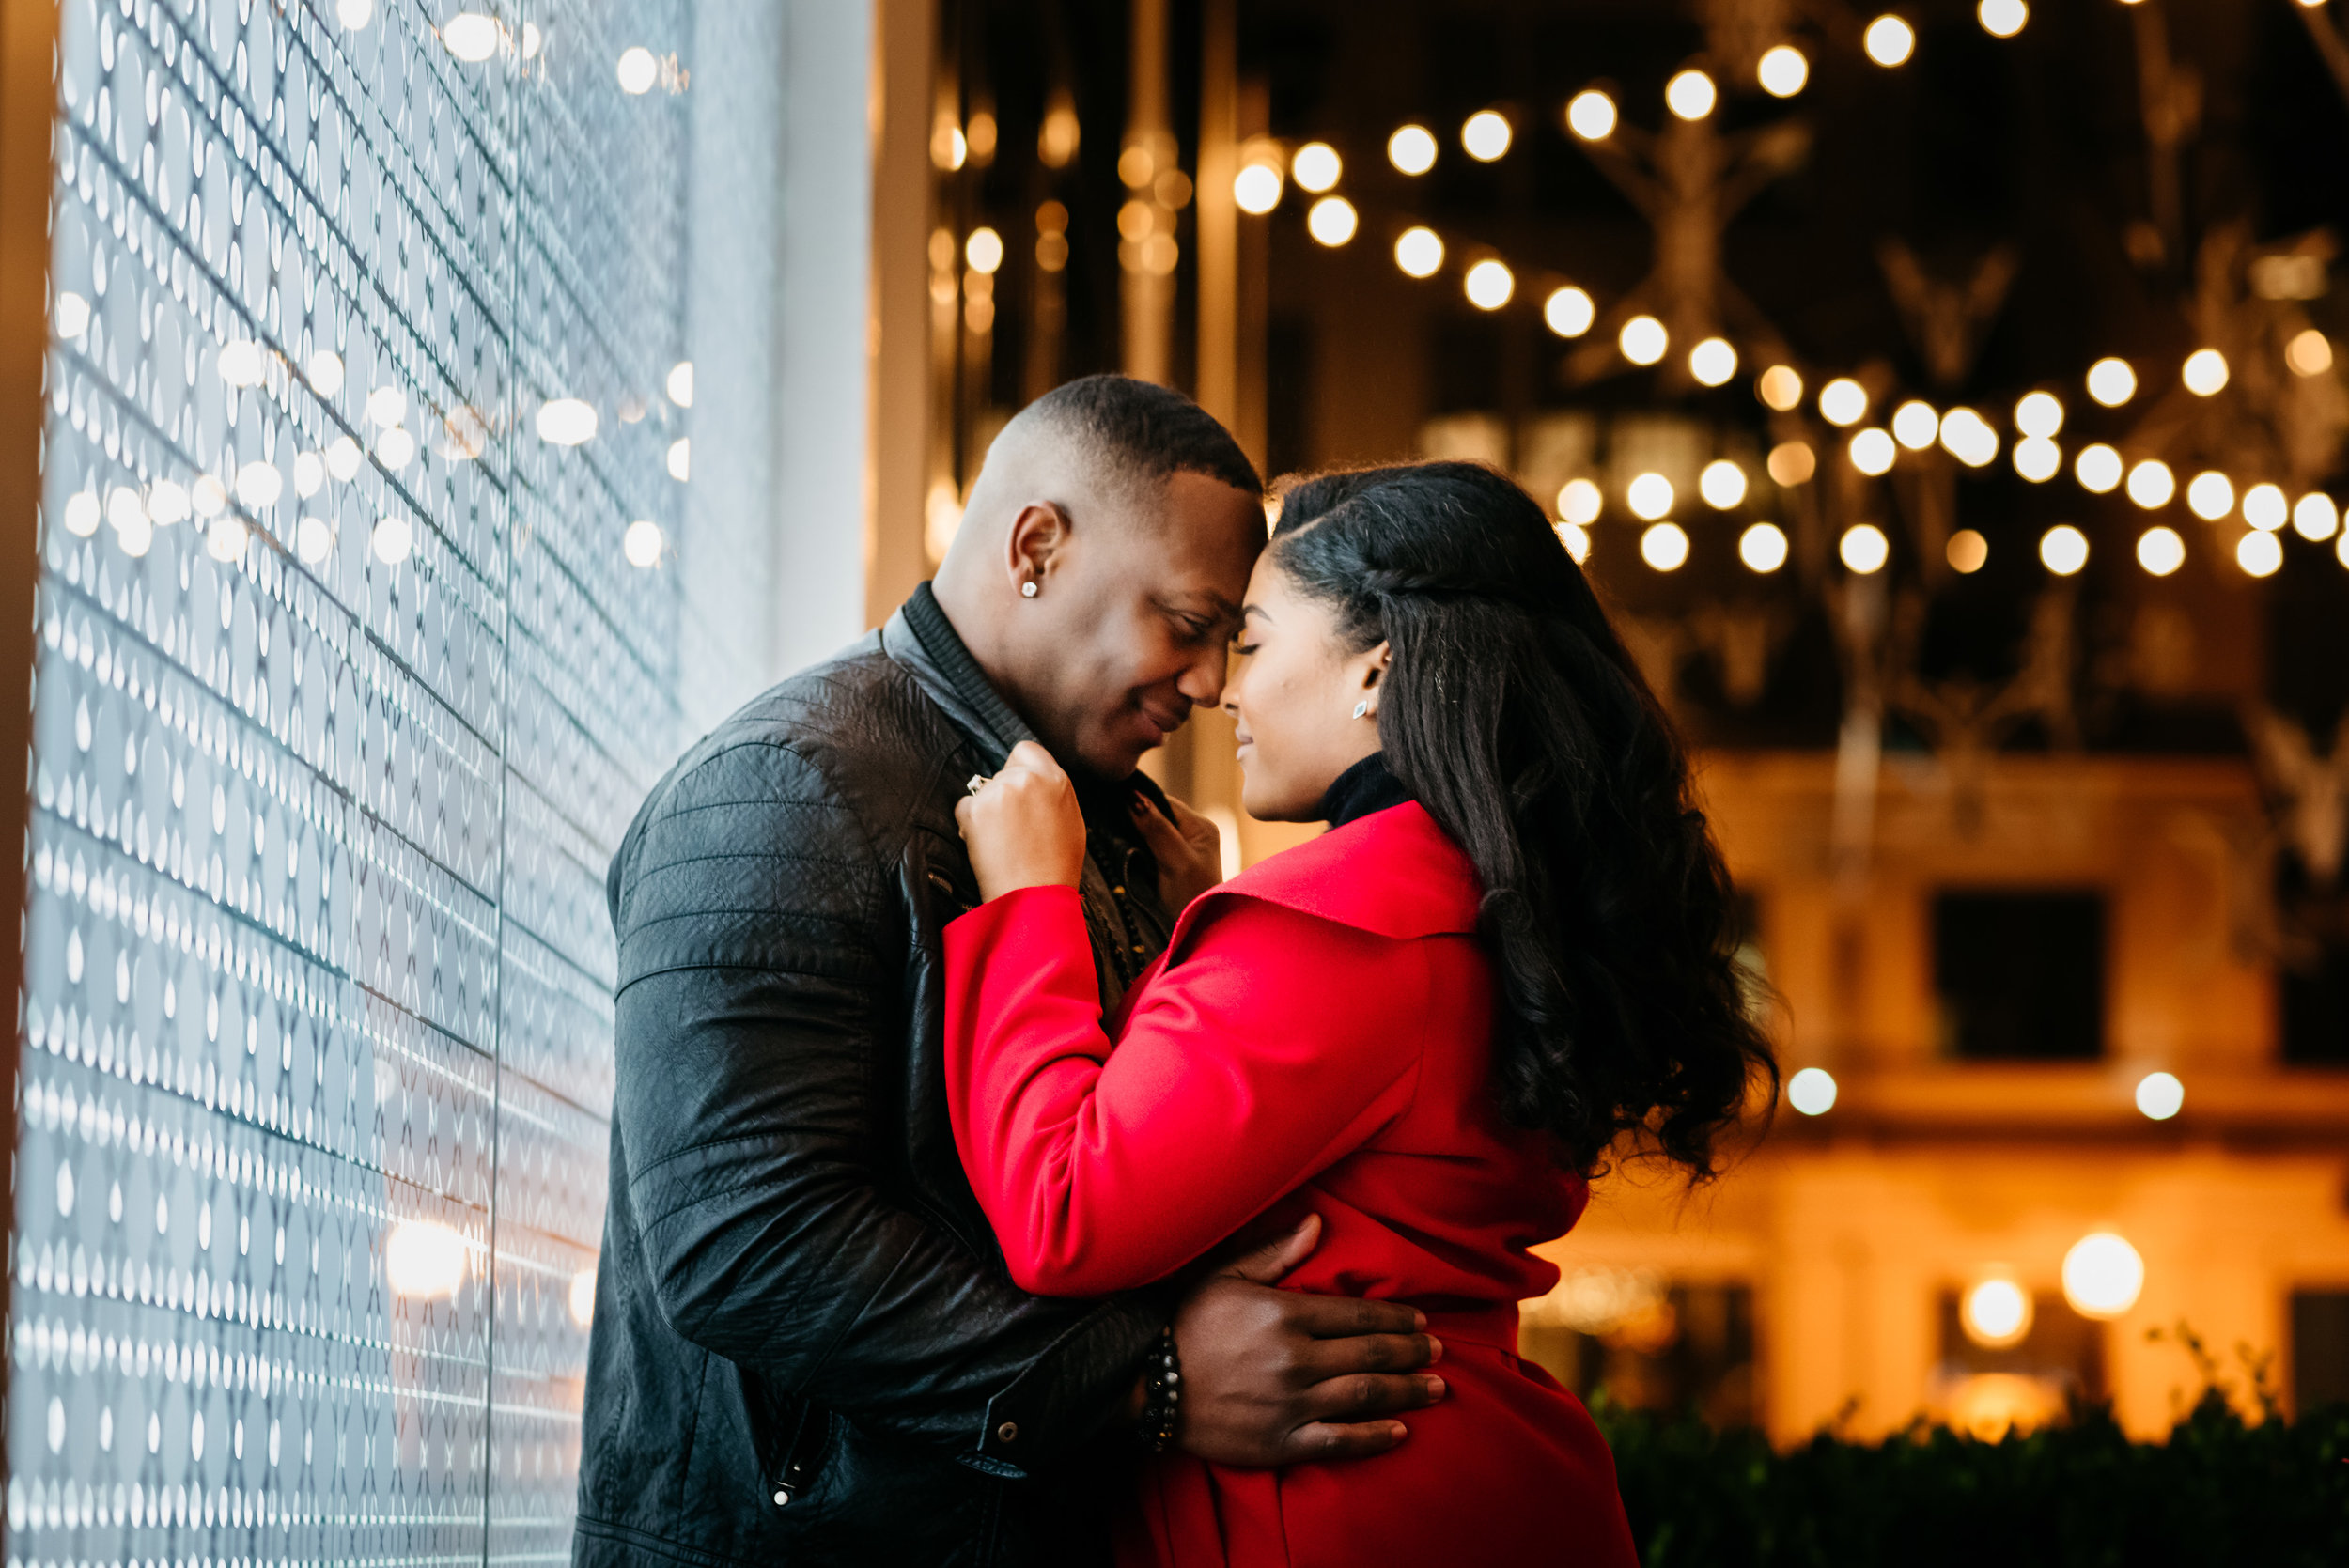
1162,1408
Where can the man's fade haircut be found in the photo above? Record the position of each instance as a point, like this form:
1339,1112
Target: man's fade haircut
1146,430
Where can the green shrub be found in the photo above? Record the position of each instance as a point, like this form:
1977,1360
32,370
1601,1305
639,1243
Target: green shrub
2079,1494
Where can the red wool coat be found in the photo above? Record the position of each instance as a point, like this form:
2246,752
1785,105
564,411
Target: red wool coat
1316,1039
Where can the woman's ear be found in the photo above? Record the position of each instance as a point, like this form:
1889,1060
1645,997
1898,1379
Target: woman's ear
1370,668
1039,534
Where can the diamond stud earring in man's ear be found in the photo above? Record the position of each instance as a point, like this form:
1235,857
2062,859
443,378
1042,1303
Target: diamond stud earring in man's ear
1027,589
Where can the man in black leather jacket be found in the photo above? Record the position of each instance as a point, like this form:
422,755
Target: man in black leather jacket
805,1347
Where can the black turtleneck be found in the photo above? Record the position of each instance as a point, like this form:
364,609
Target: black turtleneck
1361,789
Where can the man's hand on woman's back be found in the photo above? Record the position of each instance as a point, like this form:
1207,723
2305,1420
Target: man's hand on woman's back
1277,1376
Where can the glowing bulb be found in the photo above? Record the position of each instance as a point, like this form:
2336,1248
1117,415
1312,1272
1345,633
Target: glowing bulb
1489,284
1418,251
1713,362
123,507
2310,353
581,1300
313,539
2152,484
1332,220
1723,483
83,514
1781,387
2264,507
680,385
1650,496
1811,1091
1664,546
1485,136
1569,311
1643,340
642,543
1842,401
1690,95
681,459
2038,460
386,406
1872,451
392,540
2098,468
1412,150
1864,548
1889,40
2111,382
2210,495
2063,550
133,531
260,484
166,503
2258,555
2160,551
2003,19
394,448
423,1259
2206,372
983,251
241,363
565,422
2160,1095
1792,462
1968,438
354,14
224,541
1996,1313
471,37
1576,539
1914,424
209,496
343,459
74,315
1591,115
2039,413
1315,166
638,71
1782,70
1579,503
2316,517
1257,189
2102,1276
1968,551
1763,547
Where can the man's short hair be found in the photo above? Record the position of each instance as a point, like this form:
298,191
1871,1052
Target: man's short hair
1147,430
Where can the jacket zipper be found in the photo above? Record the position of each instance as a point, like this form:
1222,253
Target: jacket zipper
791,1476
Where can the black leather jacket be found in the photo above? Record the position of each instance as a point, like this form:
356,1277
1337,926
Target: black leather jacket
805,1346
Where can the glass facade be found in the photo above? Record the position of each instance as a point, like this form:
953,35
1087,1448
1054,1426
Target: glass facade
366,615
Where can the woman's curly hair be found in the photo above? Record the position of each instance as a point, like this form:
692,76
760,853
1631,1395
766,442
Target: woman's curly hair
1516,716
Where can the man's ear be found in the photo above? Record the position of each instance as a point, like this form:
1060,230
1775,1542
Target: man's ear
1039,534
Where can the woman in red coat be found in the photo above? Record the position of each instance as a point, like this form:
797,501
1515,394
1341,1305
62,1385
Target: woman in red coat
1424,1027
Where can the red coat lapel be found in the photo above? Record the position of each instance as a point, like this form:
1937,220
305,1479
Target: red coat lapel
1394,873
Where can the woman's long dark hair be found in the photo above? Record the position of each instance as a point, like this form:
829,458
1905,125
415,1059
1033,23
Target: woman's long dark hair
1514,713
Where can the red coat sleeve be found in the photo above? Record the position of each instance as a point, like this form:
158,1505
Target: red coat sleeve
1279,1043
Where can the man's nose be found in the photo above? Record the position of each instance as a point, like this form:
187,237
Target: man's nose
1203,680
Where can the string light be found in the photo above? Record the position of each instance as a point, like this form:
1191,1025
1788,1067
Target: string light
1914,424
1713,362
1579,503
1650,496
2063,550
1315,167
1811,1091
1257,188
1664,546
638,71
642,543
2210,495
224,540
1781,387
1889,40
314,540
1643,340
2111,382
2038,460
2160,1095
1723,483
1968,438
1997,1314
393,539
471,37
2160,551
1763,547
241,363
1485,135
2258,555
1591,115
1569,311
72,314
2206,372
2316,517
1873,452
2099,469
1333,221
2039,413
1412,150
1842,401
2264,508
1576,540
2151,485
680,385
1418,251
1968,551
1690,95
561,421
2310,353
1782,70
983,251
1791,463
2102,1276
1864,548
1489,284
2003,19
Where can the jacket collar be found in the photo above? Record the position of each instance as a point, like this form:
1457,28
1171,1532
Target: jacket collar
1394,874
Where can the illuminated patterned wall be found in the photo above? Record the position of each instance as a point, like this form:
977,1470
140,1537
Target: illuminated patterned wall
361,611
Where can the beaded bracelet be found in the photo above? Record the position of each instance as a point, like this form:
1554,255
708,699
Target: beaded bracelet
1162,1408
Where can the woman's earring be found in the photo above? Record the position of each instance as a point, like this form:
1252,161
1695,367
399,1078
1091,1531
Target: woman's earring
1361,707
1027,589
